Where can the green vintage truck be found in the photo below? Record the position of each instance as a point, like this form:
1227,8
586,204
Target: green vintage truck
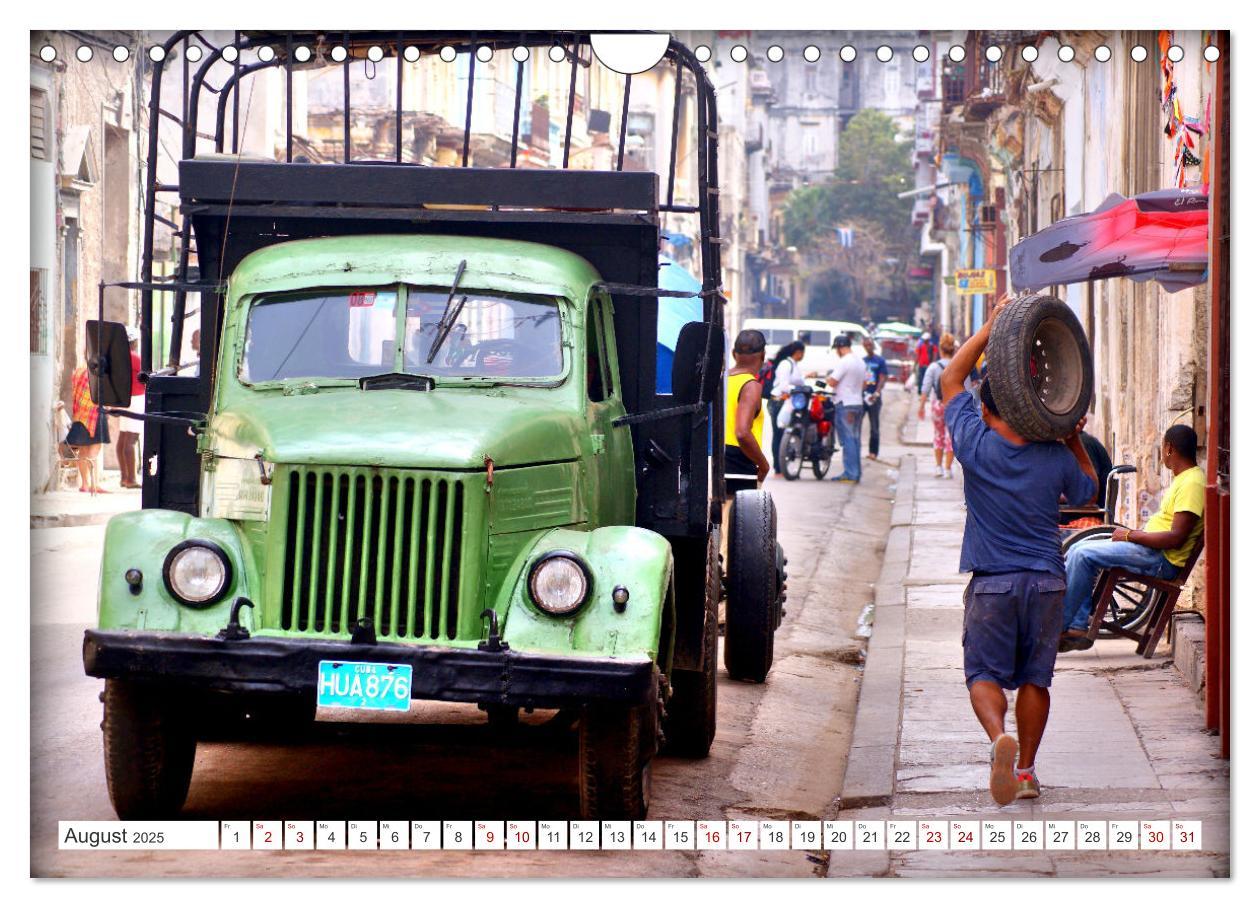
423,456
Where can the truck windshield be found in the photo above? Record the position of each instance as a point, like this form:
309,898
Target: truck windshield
350,334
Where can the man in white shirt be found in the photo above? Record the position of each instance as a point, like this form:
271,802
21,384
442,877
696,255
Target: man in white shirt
847,379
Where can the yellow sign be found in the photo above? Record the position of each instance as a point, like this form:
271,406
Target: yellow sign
976,280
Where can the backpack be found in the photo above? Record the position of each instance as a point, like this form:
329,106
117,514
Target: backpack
765,375
973,376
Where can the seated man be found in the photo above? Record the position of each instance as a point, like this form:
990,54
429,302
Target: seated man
1159,550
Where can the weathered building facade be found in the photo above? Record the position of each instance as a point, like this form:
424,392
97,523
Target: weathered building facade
85,117
1026,139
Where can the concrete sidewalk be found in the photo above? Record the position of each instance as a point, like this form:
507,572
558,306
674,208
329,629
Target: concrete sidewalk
72,508
1125,739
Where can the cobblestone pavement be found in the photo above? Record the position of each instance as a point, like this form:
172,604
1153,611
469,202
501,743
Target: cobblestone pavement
1125,739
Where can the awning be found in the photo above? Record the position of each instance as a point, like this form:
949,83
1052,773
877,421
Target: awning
1159,235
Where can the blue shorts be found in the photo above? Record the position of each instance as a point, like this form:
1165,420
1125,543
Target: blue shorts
1011,627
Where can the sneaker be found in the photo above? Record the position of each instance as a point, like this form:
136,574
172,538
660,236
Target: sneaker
1027,785
1002,782
949,474
939,472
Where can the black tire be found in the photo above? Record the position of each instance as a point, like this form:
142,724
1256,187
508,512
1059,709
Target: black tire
615,749
791,453
1041,371
691,713
1131,604
752,589
823,464
149,752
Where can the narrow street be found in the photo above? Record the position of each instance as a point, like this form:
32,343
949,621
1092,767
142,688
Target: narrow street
780,752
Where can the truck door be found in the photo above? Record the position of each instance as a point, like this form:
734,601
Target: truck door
612,448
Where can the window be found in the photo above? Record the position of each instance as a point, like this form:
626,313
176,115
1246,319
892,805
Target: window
41,148
596,375
811,79
39,313
349,334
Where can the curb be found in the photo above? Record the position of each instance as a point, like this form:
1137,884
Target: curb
870,773
54,521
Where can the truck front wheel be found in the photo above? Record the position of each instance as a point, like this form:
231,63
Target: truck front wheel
615,749
149,752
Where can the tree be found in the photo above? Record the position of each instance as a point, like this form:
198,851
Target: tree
872,167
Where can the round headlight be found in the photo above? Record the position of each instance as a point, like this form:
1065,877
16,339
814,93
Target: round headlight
197,572
559,584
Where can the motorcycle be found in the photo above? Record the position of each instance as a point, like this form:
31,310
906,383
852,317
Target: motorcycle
810,432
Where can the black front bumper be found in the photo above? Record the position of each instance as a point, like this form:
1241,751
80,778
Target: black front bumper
275,665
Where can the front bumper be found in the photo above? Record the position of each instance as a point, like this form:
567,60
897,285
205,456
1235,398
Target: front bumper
277,665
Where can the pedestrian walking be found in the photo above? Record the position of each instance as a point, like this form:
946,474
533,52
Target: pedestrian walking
925,354
1013,606
873,393
129,430
930,393
846,380
787,375
89,430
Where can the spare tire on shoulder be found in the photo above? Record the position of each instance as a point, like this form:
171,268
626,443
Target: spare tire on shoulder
1040,369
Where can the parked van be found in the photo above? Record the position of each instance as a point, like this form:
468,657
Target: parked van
815,334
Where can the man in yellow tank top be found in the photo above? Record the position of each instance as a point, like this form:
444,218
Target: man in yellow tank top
746,465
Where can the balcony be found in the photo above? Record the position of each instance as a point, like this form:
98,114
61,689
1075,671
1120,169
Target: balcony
989,92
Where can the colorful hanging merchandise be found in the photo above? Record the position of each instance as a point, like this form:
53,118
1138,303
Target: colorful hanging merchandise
1181,129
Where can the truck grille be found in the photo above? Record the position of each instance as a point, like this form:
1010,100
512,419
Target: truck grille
385,544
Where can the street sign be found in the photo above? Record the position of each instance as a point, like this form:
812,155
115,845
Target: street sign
976,280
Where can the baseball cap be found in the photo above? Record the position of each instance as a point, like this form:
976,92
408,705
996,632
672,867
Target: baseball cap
842,340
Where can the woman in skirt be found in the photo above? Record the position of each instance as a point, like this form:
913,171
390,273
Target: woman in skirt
88,431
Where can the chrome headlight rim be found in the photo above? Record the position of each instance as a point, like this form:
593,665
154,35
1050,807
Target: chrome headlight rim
212,547
566,555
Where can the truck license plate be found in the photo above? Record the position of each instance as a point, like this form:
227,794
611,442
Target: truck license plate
364,685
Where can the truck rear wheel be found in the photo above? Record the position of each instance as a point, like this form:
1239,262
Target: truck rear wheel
615,749
753,585
691,713
149,752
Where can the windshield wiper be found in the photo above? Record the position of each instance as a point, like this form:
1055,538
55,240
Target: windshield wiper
447,321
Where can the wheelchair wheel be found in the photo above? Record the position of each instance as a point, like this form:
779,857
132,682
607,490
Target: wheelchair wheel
1131,603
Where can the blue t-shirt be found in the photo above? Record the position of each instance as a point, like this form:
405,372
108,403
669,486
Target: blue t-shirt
1012,494
875,367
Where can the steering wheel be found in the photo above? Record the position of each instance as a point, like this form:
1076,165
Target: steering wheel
511,348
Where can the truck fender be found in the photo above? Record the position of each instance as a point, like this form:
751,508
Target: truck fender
142,540
630,557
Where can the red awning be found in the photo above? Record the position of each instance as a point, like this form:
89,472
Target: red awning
1158,235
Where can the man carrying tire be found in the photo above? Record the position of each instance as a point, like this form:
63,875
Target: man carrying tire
1013,606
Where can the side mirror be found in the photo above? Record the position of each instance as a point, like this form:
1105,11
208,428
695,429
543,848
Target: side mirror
697,344
109,364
